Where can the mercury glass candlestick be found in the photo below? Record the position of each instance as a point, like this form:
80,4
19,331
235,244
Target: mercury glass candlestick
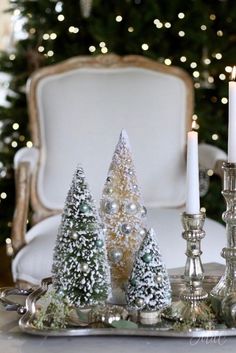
192,307
223,295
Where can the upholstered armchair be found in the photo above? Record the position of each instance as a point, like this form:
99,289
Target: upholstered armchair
77,109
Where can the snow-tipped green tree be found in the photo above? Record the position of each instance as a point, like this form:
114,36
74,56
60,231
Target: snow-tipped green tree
149,286
80,268
123,214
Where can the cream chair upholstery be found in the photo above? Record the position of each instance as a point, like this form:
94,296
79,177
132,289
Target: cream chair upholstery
77,110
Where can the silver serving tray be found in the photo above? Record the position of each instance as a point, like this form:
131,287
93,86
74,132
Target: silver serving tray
28,311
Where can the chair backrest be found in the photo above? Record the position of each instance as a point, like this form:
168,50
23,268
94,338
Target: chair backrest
77,110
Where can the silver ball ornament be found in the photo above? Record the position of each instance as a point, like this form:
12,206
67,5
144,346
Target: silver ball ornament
139,302
116,255
84,208
74,236
147,258
131,208
126,228
108,190
111,207
84,267
142,232
99,243
158,278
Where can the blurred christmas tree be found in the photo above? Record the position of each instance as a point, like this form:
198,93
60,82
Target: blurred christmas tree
197,35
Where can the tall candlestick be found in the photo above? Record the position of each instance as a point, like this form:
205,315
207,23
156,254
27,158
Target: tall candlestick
192,194
232,119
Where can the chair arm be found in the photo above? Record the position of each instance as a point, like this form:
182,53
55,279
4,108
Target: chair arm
211,157
24,163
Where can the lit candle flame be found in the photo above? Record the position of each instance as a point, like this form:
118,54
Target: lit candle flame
233,75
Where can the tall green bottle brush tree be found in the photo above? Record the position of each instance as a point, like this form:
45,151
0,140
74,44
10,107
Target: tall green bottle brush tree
197,35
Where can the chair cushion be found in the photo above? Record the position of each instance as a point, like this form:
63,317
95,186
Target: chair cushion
34,261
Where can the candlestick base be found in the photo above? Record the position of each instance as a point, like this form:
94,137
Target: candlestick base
193,310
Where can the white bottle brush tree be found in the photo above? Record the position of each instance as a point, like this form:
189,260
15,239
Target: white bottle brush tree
80,267
149,286
124,216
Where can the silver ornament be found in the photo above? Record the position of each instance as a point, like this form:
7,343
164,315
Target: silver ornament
84,267
135,187
158,278
126,228
111,207
130,171
131,208
139,302
108,190
143,211
99,243
116,255
147,258
74,236
84,208
142,232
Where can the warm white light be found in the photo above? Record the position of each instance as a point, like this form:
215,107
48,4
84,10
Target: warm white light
196,74
194,117
183,59
210,172
3,195
29,144
32,30
119,18
102,44
218,56
212,17
207,61
14,144
167,61
145,46
197,85
233,75
214,137
61,18
167,24
228,69
222,77
203,27
210,79
40,48
193,65
224,100
130,29
53,36
15,126
181,33
92,48
203,209
46,36
181,15
220,33
104,50
12,57
50,53
16,12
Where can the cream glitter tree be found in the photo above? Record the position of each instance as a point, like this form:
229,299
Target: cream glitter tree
124,216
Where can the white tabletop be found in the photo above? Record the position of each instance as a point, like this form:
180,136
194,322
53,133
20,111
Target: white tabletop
12,340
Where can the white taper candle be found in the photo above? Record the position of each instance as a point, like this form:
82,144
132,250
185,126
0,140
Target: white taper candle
192,189
232,119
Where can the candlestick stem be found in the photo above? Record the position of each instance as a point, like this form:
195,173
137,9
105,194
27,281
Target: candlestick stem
223,295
